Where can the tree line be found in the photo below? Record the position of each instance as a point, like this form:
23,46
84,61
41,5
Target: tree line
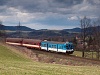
89,36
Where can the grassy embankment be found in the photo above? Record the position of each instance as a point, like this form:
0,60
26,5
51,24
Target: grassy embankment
90,55
14,63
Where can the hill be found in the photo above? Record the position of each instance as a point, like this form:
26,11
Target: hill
14,63
14,28
43,33
73,30
11,31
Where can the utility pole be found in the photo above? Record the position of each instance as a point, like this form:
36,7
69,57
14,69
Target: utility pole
19,32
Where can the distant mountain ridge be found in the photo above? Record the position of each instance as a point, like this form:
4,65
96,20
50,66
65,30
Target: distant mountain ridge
42,33
24,28
14,28
73,30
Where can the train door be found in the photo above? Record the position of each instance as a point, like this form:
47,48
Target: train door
44,46
47,46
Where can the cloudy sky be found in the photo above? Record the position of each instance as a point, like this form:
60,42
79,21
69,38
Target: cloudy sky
48,14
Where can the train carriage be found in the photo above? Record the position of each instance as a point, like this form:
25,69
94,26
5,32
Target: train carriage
57,46
14,41
32,43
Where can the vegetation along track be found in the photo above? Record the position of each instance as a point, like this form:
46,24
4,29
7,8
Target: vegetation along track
53,57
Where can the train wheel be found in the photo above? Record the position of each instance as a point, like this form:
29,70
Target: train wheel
69,52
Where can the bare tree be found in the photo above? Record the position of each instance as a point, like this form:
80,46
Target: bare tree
2,32
85,23
2,29
96,35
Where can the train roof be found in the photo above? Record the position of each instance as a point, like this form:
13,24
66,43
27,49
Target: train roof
55,42
17,39
31,40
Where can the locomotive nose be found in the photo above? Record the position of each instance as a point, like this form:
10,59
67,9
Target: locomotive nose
69,46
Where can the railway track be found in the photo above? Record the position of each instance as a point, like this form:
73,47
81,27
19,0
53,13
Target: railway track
54,57
65,56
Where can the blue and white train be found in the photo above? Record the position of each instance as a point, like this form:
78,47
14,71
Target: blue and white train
64,47
57,46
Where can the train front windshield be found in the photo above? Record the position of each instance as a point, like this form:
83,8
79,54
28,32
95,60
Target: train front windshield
69,46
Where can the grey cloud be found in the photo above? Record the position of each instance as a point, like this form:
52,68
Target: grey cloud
68,3
3,2
94,2
45,6
42,5
28,5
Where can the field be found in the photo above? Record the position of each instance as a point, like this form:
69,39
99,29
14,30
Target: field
90,55
15,63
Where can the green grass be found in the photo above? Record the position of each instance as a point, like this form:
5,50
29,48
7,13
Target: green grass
8,55
12,63
91,55
77,53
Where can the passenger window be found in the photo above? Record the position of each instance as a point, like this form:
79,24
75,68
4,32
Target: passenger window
34,43
45,45
60,47
53,46
26,43
49,45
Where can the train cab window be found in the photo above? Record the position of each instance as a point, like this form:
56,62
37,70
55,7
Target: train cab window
71,46
66,46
